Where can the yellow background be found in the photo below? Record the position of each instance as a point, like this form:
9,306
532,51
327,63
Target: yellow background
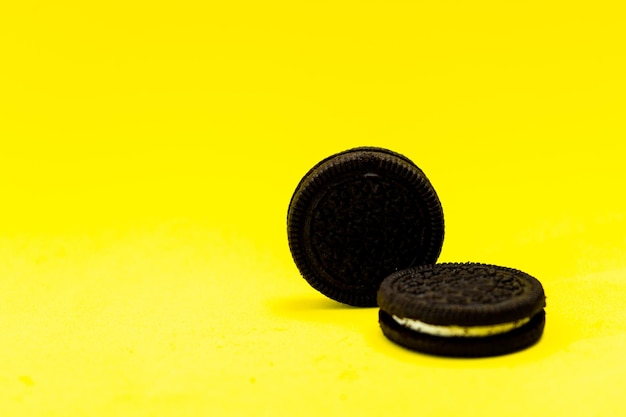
148,152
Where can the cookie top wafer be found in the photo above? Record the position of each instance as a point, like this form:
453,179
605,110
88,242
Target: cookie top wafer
358,216
467,294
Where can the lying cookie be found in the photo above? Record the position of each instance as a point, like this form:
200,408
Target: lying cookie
465,310
358,216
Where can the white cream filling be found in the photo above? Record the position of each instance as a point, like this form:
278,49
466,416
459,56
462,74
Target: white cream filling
459,331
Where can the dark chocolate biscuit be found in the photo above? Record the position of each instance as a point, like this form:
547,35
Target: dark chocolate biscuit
462,309
358,216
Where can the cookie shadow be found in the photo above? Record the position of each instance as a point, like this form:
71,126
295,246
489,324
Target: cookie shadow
288,305
320,309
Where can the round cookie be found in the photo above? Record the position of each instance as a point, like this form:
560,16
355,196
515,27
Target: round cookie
358,216
465,310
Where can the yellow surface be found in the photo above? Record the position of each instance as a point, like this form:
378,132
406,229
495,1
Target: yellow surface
148,151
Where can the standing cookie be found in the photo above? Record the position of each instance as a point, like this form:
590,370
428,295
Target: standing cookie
462,309
357,217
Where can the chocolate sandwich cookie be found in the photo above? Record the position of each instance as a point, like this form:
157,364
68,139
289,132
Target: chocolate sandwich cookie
467,310
358,216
